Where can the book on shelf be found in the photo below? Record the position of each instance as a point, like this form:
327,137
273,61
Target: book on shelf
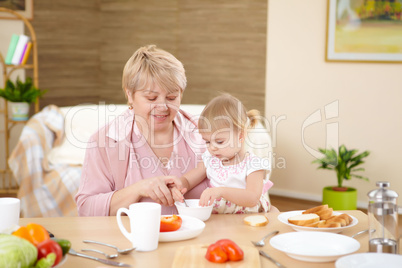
19,49
11,48
27,51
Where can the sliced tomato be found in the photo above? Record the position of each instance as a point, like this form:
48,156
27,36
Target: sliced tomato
49,246
224,250
215,253
234,252
170,223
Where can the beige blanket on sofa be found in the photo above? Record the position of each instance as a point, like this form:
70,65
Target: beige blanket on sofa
45,190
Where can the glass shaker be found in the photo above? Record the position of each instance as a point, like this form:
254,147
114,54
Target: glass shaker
383,219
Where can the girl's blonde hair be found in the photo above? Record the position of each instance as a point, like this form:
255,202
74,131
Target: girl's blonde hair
150,66
226,111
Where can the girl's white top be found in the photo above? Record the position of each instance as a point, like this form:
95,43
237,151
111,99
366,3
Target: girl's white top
232,175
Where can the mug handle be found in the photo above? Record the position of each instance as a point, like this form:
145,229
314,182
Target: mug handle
120,224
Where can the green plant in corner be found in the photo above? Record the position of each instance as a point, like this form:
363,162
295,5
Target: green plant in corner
21,91
345,162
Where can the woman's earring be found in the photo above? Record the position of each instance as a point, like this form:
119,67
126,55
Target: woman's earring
130,107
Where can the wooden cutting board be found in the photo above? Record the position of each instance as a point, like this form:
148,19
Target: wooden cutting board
194,257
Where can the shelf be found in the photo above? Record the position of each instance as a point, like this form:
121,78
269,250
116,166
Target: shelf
25,66
17,121
6,179
8,184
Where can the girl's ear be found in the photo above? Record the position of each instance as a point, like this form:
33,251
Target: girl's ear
241,136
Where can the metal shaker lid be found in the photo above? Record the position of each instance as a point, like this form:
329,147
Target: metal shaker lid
382,194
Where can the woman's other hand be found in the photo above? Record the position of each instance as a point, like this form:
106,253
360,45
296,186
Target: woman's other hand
157,188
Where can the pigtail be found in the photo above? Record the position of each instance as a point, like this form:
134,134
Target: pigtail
254,116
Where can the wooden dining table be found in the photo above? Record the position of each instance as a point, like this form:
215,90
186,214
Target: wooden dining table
231,226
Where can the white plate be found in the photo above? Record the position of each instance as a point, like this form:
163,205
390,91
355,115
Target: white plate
314,246
283,217
190,227
370,260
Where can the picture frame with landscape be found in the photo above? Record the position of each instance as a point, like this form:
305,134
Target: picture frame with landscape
364,31
23,7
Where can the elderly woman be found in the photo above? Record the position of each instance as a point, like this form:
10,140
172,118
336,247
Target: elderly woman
137,156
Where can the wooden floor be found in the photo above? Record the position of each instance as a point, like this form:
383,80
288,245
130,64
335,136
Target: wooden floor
288,204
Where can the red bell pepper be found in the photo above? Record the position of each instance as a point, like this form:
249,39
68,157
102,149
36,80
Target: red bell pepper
33,232
224,250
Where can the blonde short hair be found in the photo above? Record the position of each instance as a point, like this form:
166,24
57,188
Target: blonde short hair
226,111
150,66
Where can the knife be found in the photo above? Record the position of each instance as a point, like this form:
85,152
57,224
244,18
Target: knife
109,262
262,253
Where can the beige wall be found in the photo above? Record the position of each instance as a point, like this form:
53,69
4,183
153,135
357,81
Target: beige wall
299,82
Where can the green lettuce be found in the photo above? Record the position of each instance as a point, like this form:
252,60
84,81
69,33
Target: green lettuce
16,252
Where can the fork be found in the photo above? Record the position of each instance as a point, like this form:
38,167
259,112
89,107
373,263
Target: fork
261,243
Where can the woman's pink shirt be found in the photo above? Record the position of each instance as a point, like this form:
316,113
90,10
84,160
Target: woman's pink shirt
118,156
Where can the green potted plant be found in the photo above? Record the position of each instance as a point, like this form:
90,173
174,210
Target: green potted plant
345,163
20,95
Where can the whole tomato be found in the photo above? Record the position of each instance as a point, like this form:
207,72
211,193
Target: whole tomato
170,223
49,246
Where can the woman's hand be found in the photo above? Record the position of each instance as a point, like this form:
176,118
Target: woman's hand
177,194
157,188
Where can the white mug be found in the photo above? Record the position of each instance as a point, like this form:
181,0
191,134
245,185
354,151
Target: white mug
9,214
145,219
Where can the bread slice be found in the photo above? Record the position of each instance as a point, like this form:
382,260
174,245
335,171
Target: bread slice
338,218
330,225
315,209
303,219
315,224
325,213
347,218
256,220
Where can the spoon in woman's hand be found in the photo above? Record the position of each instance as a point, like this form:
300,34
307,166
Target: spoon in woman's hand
185,203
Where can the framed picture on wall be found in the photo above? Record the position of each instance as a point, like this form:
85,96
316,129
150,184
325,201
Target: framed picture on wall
23,7
364,31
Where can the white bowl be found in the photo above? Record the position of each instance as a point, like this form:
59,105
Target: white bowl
193,209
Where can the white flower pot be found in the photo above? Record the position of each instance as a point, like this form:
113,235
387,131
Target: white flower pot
19,111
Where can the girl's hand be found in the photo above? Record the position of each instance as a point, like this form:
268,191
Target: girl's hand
209,195
157,188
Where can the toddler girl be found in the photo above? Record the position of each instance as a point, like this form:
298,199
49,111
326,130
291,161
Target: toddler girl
236,176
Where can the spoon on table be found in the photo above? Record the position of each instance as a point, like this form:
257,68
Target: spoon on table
120,251
111,256
261,243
